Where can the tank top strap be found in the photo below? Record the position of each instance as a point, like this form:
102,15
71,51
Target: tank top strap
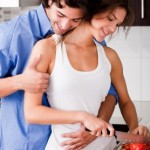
102,55
60,56
57,38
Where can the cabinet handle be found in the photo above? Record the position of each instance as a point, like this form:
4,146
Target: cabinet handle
142,9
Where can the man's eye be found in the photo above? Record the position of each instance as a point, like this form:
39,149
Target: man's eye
76,20
59,15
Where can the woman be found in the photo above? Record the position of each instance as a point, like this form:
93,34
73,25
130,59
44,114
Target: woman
80,75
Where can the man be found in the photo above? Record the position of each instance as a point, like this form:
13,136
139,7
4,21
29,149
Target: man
17,38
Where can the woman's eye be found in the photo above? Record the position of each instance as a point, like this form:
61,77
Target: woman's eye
109,18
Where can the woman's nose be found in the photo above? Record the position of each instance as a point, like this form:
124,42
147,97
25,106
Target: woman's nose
112,28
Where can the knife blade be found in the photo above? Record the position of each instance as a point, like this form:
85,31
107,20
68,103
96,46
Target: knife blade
129,137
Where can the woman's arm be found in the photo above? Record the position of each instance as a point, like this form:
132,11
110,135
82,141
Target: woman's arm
36,113
107,107
118,81
126,105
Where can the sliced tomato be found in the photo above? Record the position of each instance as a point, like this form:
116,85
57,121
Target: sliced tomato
125,147
138,146
135,146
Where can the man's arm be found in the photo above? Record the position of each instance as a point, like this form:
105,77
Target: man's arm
8,86
31,81
108,106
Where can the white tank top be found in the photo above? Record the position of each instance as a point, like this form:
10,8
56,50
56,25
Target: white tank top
70,89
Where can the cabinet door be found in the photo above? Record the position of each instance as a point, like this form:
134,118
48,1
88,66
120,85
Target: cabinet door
142,13
26,3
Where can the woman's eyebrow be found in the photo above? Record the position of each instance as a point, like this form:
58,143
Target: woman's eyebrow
114,16
117,19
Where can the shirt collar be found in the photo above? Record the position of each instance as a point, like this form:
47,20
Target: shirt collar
44,22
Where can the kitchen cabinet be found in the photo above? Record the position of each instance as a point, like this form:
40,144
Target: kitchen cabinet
26,3
142,13
121,127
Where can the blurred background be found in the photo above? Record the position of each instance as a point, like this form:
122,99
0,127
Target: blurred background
7,13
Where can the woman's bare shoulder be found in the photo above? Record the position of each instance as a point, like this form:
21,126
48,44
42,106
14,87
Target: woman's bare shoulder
46,43
111,53
113,58
45,49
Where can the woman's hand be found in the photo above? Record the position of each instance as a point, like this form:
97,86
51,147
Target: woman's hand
141,130
97,126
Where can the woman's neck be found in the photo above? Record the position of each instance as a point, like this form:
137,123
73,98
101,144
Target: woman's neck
80,36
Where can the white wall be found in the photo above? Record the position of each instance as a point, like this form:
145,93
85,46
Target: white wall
134,52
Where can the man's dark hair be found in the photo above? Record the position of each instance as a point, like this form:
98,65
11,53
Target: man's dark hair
81,4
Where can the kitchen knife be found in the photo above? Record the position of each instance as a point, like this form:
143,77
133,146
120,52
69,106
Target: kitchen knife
132,138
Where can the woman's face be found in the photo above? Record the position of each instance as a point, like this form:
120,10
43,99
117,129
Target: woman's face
105,24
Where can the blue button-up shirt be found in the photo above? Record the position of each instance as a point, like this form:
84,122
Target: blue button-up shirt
17,38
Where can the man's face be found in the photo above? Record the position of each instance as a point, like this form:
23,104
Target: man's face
63,19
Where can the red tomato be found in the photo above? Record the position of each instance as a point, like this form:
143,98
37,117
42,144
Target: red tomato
138,146
126,147
135,146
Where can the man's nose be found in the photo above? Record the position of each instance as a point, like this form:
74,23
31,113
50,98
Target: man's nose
65,24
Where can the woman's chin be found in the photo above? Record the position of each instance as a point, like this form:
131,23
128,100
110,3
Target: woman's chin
99,39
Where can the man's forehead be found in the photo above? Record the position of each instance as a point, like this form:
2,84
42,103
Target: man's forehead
71,15
70,12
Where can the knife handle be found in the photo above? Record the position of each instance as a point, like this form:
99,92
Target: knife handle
108,132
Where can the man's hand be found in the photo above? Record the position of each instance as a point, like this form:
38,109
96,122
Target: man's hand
141,130
78,140
32,80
